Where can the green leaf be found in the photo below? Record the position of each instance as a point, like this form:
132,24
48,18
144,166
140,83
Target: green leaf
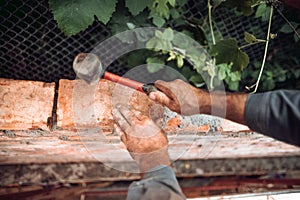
166,45
168,34
130,25
286,28
281,77
234,85
263,12
174,13
234,76
136,6
268,84
138,57
75,16
223,70
196,79
227,51
158,21
180,41
155,43
172,2
155,60
161,7
154,64
269,74
143,35
233,79
249,38
296,73
120,22
161,41
244,6
181,2
158,34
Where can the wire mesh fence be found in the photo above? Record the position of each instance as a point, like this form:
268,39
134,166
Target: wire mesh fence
34,48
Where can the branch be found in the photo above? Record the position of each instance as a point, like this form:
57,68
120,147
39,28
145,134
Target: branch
210,22
253,43
289,23
266,51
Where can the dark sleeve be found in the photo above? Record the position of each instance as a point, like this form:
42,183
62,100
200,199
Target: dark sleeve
275,114
160,183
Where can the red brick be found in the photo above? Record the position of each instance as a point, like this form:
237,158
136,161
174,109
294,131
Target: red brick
25,104
230,126
84,106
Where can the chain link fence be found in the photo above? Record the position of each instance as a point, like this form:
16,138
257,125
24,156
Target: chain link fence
34,48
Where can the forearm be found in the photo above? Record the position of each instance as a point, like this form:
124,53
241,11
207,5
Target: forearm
226,105
235,107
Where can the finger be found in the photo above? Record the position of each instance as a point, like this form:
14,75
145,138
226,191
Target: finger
139,115
121,120
127,114
160,98
164,87
121,133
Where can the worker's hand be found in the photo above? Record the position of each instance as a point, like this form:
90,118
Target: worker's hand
145,141
181,97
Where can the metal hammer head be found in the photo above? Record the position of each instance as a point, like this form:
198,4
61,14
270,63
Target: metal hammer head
87,67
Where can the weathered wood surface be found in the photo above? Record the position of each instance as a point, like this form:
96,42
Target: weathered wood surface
25,104
90,155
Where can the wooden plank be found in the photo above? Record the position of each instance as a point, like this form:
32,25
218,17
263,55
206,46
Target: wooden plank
21,147
25,104
83,152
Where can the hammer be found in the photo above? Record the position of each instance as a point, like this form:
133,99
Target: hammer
88,67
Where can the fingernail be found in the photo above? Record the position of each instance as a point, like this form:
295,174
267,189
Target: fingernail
152,96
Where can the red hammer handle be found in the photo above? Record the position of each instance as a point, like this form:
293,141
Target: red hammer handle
124,81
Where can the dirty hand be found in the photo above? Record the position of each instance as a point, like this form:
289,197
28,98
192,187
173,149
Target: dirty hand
145,141
181,97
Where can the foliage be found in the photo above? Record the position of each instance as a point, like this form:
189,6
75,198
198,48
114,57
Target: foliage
262,12
288,30
245,6
75,16
275,75
226,60
238,58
